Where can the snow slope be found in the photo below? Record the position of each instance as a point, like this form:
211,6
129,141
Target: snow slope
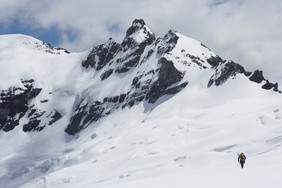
24,57
188,139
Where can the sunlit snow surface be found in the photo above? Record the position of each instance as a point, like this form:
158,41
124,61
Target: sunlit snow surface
190,140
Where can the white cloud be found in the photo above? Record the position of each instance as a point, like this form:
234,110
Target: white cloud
248,32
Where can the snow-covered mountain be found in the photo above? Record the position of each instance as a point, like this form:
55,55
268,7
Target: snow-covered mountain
132,114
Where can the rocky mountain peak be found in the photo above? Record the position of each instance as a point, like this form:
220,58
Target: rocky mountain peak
138,33
140,69
137,25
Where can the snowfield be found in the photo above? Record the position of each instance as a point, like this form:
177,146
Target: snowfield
191,139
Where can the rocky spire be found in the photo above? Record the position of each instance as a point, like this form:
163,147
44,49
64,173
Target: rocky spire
137,25
138,33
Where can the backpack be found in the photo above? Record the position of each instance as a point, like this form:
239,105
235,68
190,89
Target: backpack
242,157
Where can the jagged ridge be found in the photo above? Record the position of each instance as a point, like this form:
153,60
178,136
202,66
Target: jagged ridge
151,67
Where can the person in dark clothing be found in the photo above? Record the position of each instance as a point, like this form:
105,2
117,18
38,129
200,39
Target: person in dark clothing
242,159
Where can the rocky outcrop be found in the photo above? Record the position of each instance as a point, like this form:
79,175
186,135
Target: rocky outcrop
168,75
137,38
137,34
46,47
214,61
257,76
35,117
14,104
269,86
224,71
101,55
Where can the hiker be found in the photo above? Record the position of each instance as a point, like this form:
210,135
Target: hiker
241,159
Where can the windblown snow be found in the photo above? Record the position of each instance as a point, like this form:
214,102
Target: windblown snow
190,139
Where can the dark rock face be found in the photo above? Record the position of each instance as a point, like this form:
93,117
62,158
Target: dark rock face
92,111
170,40
269,86
74,126
106,74
50,49
32,125
138,25
133,48
229,69
35,117
168,75
257,77
101,55
14,106
214,61
55,117
83,116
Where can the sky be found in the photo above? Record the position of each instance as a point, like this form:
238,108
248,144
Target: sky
248,32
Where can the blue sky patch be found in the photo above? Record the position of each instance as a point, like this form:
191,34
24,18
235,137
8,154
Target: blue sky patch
51,35
114,28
